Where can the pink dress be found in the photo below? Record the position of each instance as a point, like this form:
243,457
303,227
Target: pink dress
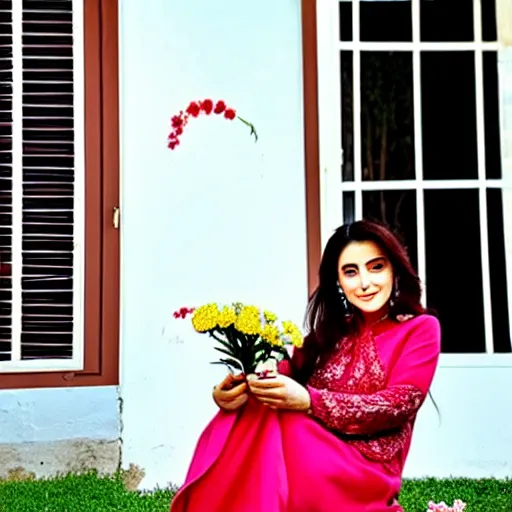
347,455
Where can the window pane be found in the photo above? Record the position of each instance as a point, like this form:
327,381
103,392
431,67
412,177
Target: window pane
387,116
489,31
448,115
347,115
6,168
346,21
50,183
492,116
454,270
386,21
498,271
348,207
5,315
446,20
397,209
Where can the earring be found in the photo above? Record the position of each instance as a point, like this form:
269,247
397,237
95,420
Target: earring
344,302
394,294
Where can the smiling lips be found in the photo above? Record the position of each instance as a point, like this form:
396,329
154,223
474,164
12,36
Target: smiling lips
367,298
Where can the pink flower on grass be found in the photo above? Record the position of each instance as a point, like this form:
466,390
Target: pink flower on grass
458,506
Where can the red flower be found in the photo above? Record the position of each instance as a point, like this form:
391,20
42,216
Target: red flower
207,106
194,109
230,113
177,121
219,107
183,312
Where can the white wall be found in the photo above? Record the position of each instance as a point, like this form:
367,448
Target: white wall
49,431
220,219
224,219
472,435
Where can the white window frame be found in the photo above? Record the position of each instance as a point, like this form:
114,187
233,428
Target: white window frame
16,365
331,154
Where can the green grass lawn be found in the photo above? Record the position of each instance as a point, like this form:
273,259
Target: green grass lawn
88,493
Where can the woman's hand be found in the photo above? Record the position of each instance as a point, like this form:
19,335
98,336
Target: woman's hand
231,393
280,392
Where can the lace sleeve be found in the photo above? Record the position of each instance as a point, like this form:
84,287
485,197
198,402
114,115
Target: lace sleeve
408,383
366,414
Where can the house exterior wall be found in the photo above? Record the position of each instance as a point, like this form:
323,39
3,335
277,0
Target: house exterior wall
49,431
219,219
250,56
504,11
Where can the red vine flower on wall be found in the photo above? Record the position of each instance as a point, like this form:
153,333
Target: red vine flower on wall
205,107
183,312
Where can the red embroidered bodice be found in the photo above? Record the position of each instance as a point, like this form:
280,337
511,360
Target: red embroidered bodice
370,404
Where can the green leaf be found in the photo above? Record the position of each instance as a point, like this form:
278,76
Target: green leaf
226,345
224,342
229,362
226,352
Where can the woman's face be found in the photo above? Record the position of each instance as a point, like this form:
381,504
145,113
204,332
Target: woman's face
366,277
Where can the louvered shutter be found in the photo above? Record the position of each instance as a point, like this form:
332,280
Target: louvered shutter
41,185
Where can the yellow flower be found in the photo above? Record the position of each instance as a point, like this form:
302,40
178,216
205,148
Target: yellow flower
270,334
293,333
227,317
269,317
248,320
205,317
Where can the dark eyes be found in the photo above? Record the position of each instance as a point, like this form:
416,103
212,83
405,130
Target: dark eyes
376,267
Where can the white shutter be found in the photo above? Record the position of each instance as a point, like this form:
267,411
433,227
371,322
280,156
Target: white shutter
41,185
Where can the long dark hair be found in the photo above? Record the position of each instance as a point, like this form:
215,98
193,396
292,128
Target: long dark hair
325,321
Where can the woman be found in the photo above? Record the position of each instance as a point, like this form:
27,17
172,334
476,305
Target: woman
332,430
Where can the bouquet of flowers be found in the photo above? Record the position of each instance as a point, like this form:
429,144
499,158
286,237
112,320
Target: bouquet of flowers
248,338
458,506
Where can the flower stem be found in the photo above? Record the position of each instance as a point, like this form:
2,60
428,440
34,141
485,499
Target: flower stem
215,337
251,126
